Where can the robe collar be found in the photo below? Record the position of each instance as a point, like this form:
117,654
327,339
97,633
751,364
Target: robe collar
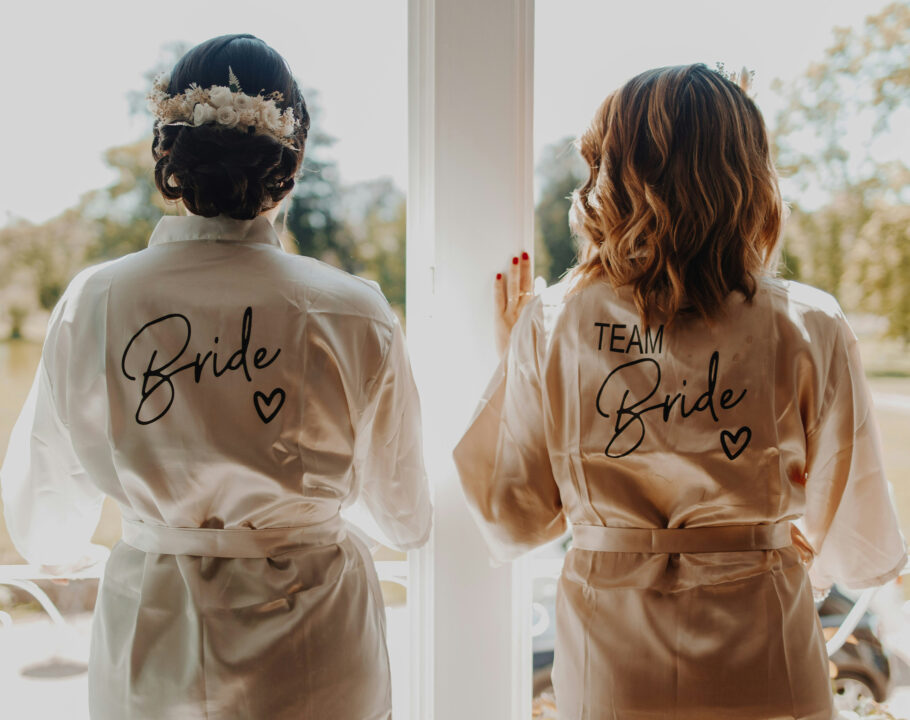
174,228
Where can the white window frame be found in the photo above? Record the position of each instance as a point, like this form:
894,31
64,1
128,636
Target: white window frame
470,207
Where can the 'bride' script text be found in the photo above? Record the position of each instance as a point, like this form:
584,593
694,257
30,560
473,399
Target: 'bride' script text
644,375
160,367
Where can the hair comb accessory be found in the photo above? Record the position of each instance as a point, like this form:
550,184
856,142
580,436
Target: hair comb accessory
224,105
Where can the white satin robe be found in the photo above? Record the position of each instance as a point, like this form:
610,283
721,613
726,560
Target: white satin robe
585,421
214,381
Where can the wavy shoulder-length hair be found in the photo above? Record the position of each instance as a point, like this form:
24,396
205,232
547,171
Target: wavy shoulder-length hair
682,202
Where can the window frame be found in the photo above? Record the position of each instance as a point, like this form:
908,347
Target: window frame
470,145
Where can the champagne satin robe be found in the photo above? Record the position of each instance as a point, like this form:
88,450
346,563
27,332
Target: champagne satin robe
623,432
232,398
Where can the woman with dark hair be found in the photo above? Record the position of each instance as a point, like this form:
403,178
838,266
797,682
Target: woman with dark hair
232,398
681,407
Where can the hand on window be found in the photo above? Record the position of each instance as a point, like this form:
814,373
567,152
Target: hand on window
512,292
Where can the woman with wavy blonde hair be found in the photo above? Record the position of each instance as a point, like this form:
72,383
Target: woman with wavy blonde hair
702,425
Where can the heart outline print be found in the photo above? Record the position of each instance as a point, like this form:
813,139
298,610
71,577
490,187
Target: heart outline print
260,399
728,439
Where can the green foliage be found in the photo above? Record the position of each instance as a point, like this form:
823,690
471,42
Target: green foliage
790,266
359,228
314,217
378,215
882,266
559,171
833,142
40,260
127,211
17,315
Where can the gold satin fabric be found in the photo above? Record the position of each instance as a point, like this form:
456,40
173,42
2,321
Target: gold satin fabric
760,418
721,538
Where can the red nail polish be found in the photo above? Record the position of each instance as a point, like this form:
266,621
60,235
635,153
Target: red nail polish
499,276
515,261
524,256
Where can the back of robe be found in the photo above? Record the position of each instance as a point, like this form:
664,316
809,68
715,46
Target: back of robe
756,420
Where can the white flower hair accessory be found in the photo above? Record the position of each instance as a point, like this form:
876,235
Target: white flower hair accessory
224,105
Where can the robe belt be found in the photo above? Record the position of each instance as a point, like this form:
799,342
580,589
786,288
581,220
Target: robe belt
231,542
725,538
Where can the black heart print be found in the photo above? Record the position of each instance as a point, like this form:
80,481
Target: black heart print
263,404
731,443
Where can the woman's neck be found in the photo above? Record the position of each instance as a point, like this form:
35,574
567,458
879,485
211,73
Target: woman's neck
271,215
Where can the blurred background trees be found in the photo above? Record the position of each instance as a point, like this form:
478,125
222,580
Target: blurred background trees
842,147
840,143
560,169
360,228
313,216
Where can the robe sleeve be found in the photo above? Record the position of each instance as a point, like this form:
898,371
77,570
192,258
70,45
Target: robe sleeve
389,454
850,518
503,460
50,505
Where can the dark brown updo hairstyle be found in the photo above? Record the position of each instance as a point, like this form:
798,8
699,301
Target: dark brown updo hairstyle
216,170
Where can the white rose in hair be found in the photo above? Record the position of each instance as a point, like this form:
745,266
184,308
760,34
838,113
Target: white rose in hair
226,116
220,96
202,114
242,102
269,115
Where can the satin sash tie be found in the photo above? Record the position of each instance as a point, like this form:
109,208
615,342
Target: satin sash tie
231,542
727,538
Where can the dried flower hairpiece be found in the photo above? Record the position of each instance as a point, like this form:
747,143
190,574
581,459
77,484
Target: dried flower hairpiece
227,106
743,78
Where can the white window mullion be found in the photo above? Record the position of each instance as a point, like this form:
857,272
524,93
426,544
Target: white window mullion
470,206
419,291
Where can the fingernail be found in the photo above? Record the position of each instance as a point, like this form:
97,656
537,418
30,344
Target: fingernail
499,276
515,261
524,256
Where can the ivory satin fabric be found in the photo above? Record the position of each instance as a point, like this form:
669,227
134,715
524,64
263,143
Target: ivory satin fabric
761,419
214,381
